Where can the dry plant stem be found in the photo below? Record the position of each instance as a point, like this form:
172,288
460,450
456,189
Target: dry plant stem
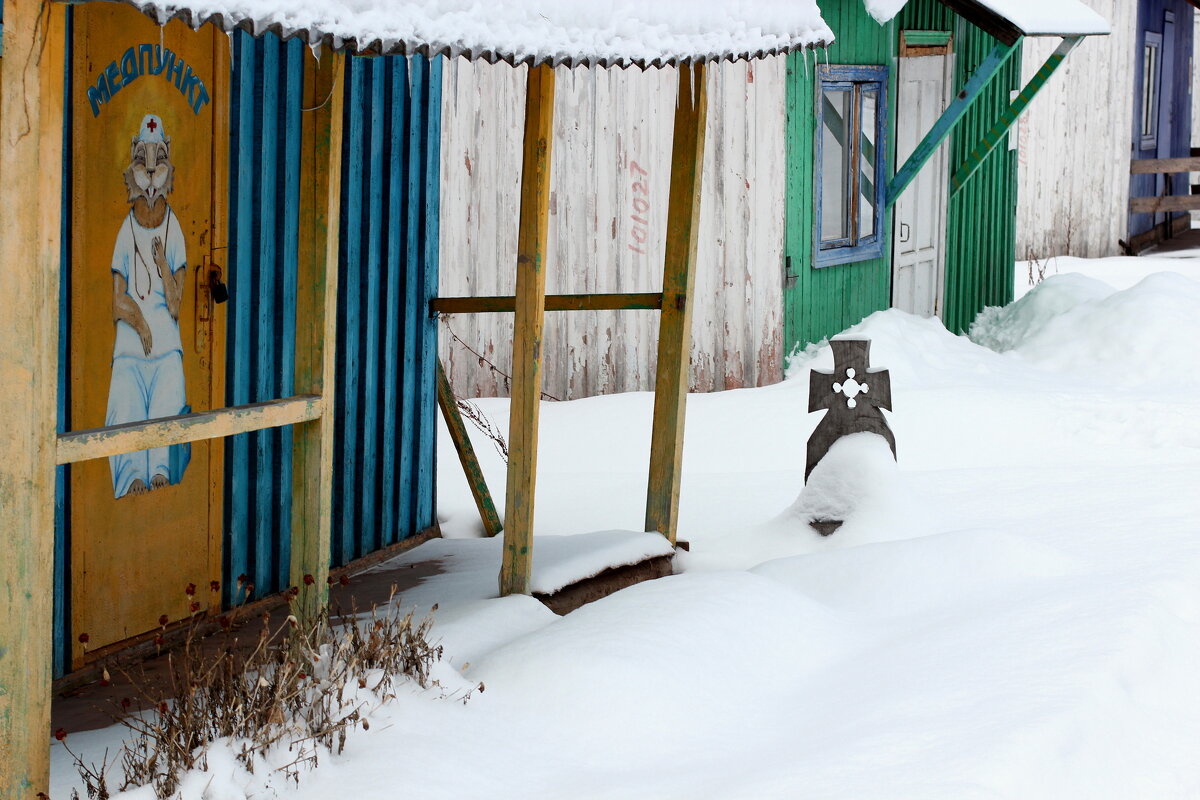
298,686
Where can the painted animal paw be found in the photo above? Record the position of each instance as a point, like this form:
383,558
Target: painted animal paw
158,481
137,487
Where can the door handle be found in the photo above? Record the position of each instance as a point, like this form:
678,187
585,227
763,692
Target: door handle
905,232
789,277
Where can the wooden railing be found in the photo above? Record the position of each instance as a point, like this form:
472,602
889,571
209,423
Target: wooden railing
1168,201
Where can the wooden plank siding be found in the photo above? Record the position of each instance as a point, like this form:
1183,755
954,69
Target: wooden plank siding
1073,199
612,130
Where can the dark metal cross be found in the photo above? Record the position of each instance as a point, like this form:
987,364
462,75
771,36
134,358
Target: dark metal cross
852,394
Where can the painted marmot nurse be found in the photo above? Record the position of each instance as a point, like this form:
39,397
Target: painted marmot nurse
149,267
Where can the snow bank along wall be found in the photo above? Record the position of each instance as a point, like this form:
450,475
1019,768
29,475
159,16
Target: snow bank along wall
1073,196
611,171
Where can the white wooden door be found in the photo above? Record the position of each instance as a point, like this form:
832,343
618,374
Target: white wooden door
919,224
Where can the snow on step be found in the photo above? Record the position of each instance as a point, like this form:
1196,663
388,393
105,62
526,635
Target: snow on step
530,31
560,561
464,570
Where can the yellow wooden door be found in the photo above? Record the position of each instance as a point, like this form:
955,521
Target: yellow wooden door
149,133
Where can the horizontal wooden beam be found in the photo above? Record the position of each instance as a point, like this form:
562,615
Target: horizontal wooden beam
1151,166
651,301
133,436
1157,205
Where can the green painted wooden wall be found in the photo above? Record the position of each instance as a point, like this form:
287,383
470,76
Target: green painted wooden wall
827,300
981,219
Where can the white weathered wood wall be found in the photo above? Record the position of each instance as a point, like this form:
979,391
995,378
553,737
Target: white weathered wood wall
607,121
1073,191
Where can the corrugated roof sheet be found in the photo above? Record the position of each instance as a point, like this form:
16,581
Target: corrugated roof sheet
596,32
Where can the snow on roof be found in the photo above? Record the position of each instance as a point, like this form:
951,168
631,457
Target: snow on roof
1032,17
600,32
1049,17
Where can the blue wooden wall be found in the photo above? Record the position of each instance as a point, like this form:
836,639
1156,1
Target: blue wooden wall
261,269
385,402
383,484
1175,101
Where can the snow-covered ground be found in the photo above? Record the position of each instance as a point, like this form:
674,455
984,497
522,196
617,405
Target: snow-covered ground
1011,611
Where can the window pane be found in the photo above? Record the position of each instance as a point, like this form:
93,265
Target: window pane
835,163
1149,89
866,161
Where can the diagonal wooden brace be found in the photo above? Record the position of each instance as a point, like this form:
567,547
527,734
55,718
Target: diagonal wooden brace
992,138
950,117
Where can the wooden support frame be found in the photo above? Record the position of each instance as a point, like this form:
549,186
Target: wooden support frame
316,342
516,569
1166,204
133,436
648,301
32,74
679,280
991,139
1153,166
466,454
950,117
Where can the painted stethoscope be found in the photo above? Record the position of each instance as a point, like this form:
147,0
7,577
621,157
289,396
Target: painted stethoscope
137,251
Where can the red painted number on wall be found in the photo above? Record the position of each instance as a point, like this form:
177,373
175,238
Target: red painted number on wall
640,232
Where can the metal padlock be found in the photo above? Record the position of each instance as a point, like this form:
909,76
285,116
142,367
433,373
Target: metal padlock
220,292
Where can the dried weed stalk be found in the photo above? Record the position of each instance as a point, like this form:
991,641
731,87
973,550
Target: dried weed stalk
295,686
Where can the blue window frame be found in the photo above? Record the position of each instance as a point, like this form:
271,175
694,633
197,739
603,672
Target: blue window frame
850,175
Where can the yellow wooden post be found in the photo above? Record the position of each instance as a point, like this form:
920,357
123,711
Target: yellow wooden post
517,567
316,334
466,454
31,120
679,279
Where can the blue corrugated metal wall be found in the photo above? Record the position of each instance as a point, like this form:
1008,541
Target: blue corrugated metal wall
385,402
387,341
264,195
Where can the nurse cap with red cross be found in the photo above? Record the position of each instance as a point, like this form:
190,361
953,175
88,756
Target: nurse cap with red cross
151,130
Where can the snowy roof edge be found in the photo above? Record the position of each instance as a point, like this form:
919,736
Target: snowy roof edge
316,37
1020,17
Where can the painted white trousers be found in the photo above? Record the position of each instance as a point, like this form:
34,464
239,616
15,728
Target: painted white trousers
143,389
